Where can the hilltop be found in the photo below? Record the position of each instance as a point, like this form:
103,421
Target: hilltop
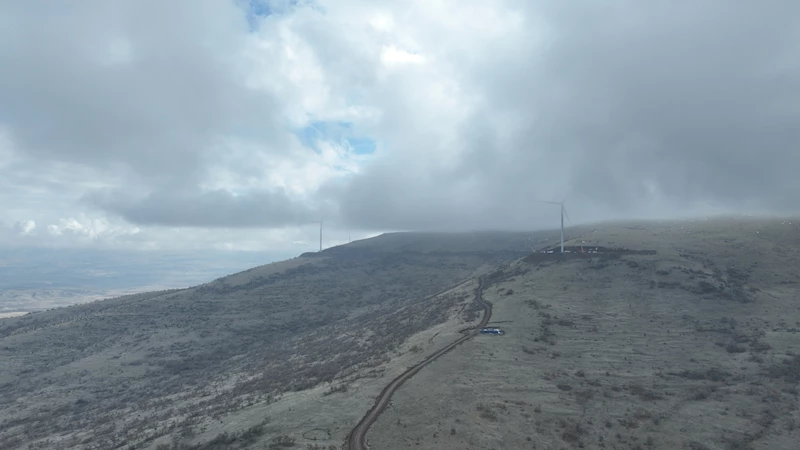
687,342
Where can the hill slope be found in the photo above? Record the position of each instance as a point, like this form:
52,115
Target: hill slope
691,347
222,365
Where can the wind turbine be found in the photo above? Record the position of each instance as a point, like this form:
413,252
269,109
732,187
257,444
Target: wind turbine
563,213
320,232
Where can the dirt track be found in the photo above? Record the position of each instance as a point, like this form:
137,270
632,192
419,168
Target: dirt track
357,439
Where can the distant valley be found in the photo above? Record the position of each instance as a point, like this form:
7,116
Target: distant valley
39,279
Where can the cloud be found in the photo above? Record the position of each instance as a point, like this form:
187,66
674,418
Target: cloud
607,106
145,86
217,208
391,56
377,115
25,227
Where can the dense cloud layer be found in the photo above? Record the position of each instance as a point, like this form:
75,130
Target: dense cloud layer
212,209
195,113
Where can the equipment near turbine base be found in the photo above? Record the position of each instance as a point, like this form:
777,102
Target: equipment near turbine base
492,331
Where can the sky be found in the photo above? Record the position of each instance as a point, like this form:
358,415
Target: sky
238,124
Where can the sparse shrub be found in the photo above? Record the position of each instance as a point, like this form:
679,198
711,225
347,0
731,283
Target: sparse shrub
644,393
760,347
534,303
713,374
734,348
701,392
530,351
335,389
788,369
546,335
572,431
187,432
250,435
704,287
220,441
282,442
487,413
583,396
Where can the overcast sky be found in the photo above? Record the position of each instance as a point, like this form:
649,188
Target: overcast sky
236,124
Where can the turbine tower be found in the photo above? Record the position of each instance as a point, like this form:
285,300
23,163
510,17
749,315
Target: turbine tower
563,213
320,231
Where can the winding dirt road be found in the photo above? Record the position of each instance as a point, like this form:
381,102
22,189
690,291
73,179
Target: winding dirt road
357,439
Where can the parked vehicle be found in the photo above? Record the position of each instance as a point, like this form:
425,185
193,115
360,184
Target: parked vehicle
492,331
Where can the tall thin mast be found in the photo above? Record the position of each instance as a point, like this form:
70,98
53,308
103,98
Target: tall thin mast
562,228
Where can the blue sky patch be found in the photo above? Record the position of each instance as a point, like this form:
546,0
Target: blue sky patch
257,10
362,146
341,133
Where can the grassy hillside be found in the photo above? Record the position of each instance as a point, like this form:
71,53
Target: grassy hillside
690,344
693,347
169,367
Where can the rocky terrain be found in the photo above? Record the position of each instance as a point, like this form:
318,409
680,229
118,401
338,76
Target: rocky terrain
218,365
646,335
695,346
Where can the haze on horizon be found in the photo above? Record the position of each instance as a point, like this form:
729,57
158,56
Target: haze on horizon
234,124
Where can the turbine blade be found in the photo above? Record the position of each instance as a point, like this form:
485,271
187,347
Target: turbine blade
565,213
545,201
